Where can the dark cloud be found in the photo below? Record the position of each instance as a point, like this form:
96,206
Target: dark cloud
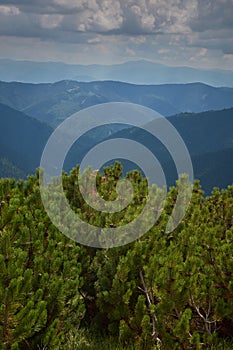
183,24
126,17
212,40
213,15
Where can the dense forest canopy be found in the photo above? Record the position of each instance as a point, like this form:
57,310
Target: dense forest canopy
163,291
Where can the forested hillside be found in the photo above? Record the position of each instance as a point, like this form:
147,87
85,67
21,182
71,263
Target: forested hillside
52,103
164,291
22,141
209,139
208,136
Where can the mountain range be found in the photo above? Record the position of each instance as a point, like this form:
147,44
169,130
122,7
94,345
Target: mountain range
208,135
137,72
209,140
52,103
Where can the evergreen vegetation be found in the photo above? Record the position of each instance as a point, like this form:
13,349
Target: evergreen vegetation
164,291
208,137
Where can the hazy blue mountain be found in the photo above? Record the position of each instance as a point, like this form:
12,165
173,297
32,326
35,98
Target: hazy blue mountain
214,169
40,72
23,139
208,135
209,139
52,103
205,132
21,143
137,72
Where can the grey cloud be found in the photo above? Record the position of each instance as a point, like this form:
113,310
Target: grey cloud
215,40
188,22
30,7
137,15
213,15
40,27
125,17
17,25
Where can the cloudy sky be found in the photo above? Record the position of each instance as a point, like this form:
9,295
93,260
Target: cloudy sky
196,33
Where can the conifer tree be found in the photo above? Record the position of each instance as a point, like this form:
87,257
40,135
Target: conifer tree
40,269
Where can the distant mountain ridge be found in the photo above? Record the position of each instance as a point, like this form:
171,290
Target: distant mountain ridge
209,140
137,72
52,103
208,136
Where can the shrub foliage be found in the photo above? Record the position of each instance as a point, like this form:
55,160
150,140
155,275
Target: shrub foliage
163,291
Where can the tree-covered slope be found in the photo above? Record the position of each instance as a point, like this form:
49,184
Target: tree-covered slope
9,170
205,132
209,139
52,103
208,136
22,139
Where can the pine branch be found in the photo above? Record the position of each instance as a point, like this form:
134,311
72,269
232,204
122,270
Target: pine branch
205,318
153,317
